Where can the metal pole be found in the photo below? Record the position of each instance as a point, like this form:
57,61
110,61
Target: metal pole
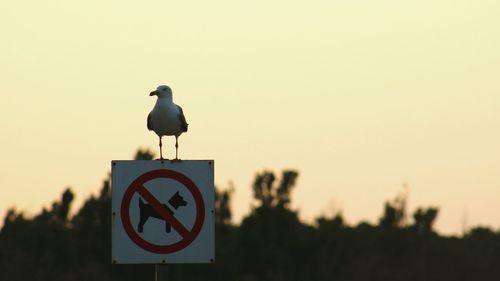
161,272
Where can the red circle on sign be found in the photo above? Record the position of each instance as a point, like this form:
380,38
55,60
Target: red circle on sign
187,235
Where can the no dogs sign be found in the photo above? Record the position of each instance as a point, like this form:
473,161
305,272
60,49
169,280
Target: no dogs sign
163,211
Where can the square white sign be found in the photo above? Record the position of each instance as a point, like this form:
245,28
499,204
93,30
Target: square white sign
162,211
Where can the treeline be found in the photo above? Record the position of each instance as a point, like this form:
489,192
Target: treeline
271,243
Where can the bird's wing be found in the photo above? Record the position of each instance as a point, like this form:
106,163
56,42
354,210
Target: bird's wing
182,118
149,123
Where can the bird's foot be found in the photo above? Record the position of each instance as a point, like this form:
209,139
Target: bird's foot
176,160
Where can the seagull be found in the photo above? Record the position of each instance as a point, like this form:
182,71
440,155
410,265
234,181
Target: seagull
166,118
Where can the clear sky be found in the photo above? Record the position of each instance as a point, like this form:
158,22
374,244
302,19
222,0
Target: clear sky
359,96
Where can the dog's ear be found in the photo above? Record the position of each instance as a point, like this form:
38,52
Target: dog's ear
177,193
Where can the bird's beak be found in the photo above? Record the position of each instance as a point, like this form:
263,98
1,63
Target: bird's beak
153,93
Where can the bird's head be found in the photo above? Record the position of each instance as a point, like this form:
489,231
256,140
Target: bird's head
162,91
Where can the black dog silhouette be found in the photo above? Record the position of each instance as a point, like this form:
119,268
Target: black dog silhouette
147,211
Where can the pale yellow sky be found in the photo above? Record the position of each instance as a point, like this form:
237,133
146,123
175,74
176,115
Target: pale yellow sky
358,96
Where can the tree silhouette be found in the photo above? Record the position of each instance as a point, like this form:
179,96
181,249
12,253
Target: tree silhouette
270,244
424,219
395,212
144,154
62,208
272,236
270,195
222,206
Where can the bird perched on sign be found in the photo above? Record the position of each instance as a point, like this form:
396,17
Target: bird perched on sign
166,118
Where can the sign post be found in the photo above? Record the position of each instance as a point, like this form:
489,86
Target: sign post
163,211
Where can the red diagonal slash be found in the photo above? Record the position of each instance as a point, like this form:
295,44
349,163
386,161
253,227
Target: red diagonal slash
164,212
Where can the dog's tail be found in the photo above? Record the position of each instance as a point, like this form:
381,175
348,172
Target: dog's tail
141,203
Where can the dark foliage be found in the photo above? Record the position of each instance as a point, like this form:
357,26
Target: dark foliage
271,243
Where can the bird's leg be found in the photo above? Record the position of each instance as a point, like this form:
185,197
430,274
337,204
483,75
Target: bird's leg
161,155
176,147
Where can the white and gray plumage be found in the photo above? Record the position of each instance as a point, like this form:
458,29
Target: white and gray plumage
166,118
